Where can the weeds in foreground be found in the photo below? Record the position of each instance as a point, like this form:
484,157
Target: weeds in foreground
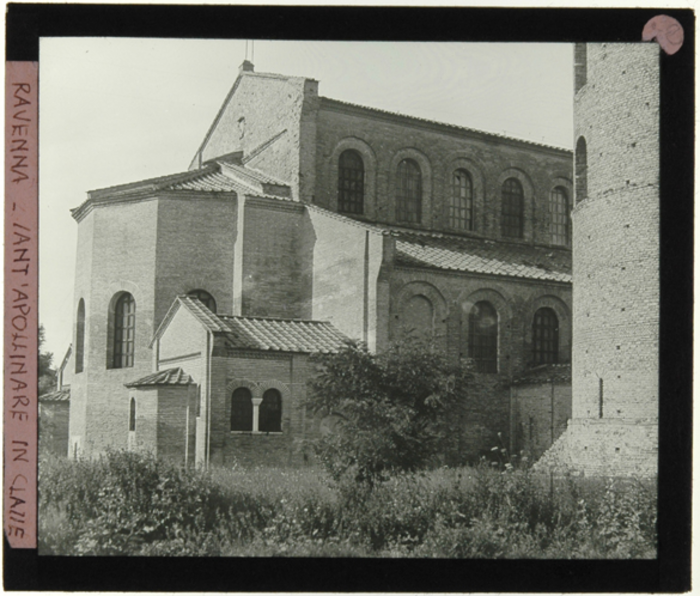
133,504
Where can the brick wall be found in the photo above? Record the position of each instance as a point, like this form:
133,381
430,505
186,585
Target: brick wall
452,296
176,423
347,259
286,372
616,266
83,268
116,250
515,301
154,249
384,140
276,261
145,434
195,248
541,412
263,118
616,251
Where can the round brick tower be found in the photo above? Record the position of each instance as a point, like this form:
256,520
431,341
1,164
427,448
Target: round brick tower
614,425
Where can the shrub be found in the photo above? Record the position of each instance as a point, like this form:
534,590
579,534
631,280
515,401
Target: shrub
393,411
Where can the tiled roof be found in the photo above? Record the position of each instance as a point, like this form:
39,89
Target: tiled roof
329,102
283,335
483,256
545,373
207,318
257,176
172,376
261,333
213,177
60,395
208,182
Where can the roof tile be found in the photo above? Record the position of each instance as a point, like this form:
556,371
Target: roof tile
483,256
171,376
268,334
283,335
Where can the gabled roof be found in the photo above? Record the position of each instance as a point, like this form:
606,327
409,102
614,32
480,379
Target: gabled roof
283,335
260,333
55,396
172,376
476,255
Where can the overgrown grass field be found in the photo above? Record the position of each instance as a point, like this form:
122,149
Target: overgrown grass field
132,504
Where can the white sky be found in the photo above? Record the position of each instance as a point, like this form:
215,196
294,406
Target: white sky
115,110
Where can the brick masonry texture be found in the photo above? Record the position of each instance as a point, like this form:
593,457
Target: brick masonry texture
293,256
383,142
541,413
616,265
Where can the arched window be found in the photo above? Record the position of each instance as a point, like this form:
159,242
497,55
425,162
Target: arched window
242,410
124,331
581,170
545,337
351,182
408,192
80,337
205,298
483,337
512,209
559,216
132,414
418,317
461,201
270,415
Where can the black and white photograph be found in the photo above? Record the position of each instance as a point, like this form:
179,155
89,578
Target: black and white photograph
350,299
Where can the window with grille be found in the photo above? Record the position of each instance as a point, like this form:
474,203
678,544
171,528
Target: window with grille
80,337
205,298
483,337
559,216
512,209
581,170
545,337
124,331
242,410
408,192
270,415
351,183
461,201
132,414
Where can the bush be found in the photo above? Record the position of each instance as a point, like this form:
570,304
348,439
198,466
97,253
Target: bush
132,504
393,411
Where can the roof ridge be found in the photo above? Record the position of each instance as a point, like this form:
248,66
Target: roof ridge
157,180
265,318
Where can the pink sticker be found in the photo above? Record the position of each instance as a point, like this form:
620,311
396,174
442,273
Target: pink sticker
21,294
667,32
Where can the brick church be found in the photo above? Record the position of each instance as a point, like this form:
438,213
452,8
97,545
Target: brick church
302,222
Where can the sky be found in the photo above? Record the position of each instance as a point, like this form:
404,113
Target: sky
119,110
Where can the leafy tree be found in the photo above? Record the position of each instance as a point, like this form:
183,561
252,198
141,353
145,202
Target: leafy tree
397,410
47,375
